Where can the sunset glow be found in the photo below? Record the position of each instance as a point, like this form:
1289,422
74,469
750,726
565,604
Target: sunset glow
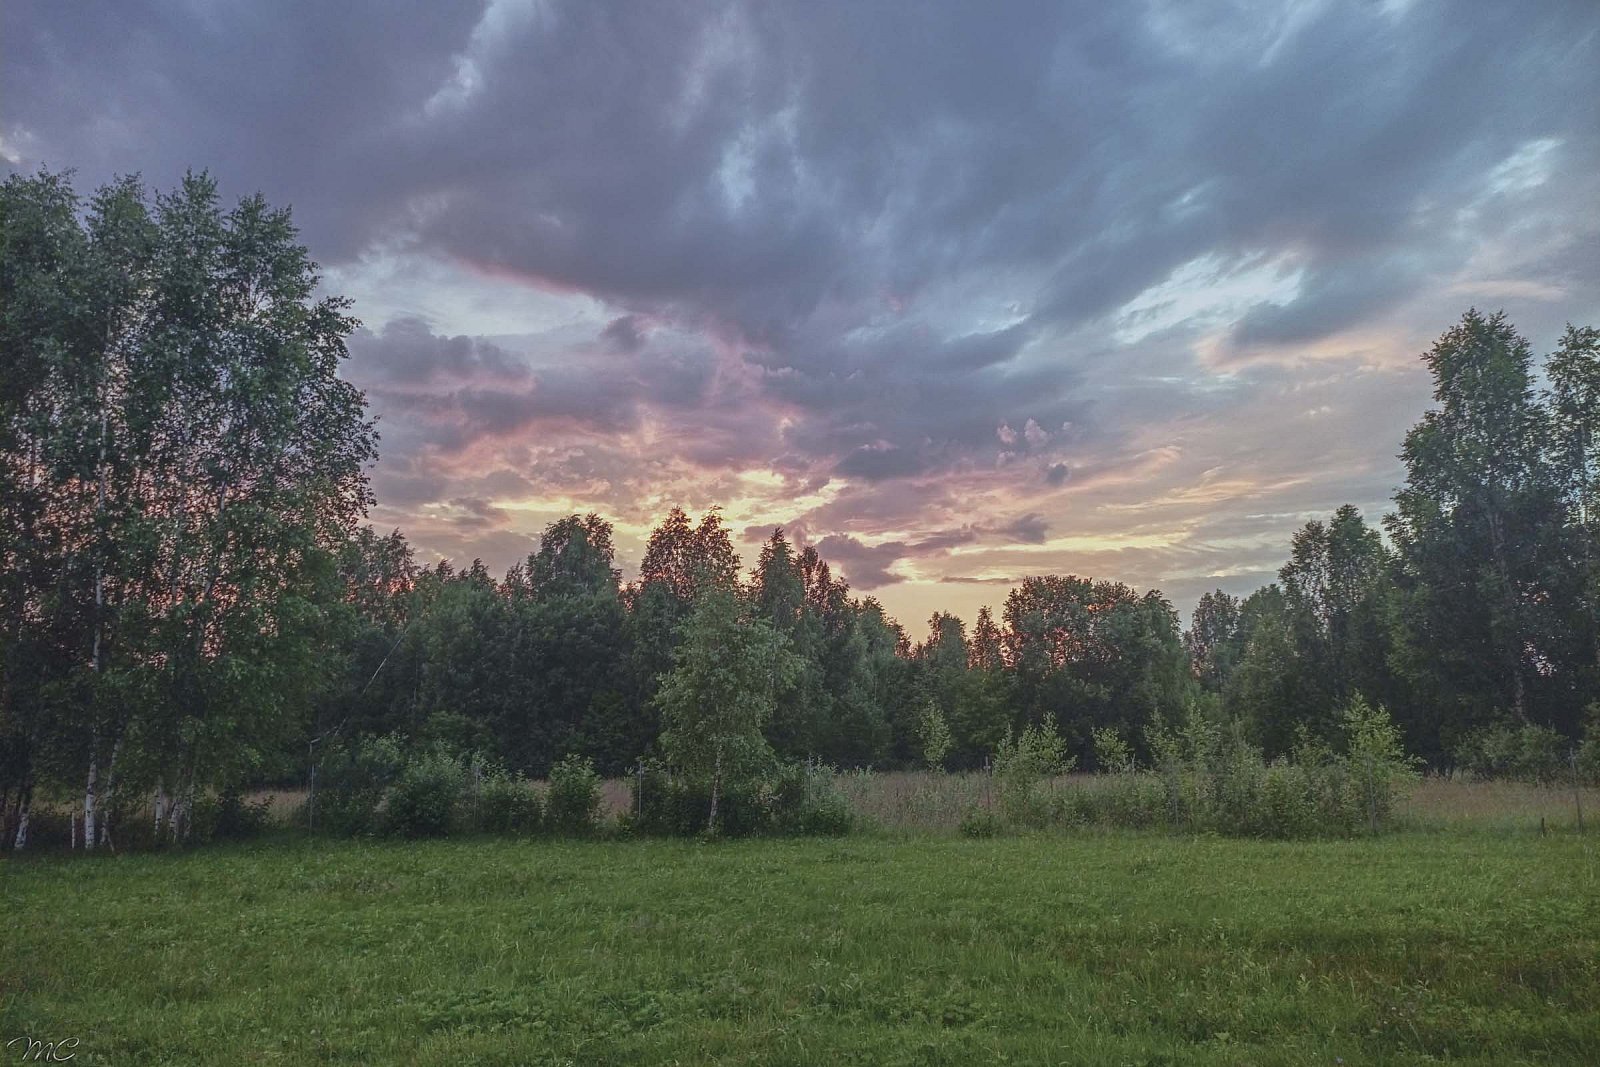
1010,298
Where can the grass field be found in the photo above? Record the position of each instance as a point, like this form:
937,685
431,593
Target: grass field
1465,946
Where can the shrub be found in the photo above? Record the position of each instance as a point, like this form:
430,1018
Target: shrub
1375,760
1023,764
351,783
1288,805
573,804
1133,799
1525,753
1112,755
425,799
1588,754
805,800
673,806
506,804
980,822
237,820
792,799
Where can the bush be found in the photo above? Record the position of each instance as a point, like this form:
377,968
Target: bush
672,806
1023,764
1288,805
933,736
806,801
1524,753
351,783
506,804
792,799
573,804
425,799
1112,755
237,820
1210,779
980,822
1588,755
1133,799
1375,760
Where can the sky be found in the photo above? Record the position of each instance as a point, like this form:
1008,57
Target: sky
955,292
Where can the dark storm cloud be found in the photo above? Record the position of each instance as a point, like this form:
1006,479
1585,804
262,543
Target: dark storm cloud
889,245
1029,529
624,333
781,175
863,566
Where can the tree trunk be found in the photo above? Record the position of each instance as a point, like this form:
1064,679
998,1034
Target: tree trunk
716,792
24,804
162,804
109,795
91,796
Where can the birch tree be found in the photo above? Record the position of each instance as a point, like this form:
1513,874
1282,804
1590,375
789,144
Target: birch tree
179,459
720,693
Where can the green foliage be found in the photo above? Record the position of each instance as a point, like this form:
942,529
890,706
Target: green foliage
572,807
1587,757
227,816
426,799
1085,653
352,782
1375,759
793,799
506,804
1112,755
1209,778
1024,766
1472,530
180,460
933,736
980,822
1526,753
673,806
806,801
720,693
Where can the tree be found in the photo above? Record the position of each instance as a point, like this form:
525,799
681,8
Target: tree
575,558
1471,526
186,462
1086,654
1574,403
720,693
1212,638
778,594
1266,691
680,562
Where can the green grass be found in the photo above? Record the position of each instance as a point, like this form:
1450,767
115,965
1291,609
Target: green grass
1116,949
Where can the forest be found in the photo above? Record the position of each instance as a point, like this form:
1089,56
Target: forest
191,602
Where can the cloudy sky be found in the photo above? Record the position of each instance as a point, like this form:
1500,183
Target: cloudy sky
956,292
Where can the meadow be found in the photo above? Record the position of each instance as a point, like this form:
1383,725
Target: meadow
1472,943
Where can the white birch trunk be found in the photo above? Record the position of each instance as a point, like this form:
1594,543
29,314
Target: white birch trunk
109,795
91,788
90,800
162,806
22,829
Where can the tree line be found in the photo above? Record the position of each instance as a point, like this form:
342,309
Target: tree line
189,599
